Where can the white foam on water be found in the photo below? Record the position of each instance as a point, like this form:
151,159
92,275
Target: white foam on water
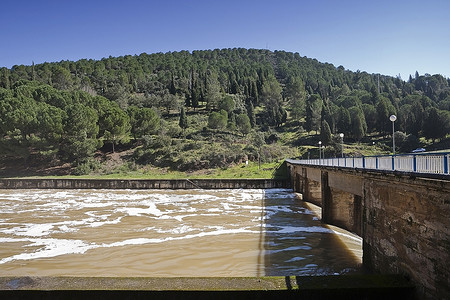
226,206
137,211
216,209
50,248
57,247
101,223
142,241
30,230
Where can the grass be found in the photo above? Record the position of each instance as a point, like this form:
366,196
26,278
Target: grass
243,171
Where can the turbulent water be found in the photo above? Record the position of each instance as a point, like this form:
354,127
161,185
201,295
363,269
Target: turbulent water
168,233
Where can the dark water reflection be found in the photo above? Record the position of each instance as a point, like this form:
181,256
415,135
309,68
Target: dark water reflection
296,243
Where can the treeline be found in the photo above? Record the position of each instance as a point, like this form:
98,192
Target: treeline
70,125
73,108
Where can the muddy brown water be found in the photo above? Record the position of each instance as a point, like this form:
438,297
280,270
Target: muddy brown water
169,233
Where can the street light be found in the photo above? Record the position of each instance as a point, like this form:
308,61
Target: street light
342,144
320,152
393,118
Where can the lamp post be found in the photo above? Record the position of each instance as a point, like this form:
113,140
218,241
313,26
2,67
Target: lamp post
393,118
320,152
342,144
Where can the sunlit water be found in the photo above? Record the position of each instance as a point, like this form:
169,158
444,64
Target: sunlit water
168,233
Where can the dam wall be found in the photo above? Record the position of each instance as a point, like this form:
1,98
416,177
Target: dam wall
75,183
403,219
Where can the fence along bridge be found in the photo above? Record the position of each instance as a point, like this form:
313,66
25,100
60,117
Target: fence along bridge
426,163
399,205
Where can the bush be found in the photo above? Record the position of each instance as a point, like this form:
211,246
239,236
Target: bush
86,167
156,142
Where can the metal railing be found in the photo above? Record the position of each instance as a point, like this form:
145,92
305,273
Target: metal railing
431,163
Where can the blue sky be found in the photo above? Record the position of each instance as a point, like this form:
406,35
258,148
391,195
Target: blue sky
387,37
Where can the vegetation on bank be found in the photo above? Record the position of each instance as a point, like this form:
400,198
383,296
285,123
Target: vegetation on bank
252,170
206,113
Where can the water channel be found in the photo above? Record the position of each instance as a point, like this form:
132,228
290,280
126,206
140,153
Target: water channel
169,233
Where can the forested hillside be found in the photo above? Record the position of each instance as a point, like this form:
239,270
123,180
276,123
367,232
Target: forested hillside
208,109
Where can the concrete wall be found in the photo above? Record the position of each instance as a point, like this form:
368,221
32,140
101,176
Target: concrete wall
404,221
35,183
406,229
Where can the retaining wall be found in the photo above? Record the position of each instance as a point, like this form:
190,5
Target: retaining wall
73,183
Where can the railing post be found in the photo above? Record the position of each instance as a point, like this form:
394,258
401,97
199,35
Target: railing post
364,162
393,163
446,163
376,162
414,163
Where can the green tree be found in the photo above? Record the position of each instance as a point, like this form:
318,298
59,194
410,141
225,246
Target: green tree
313,112
370,114
257,139
62,78
81,129
416,119
436,124
231,124
195,95
359,126
251,114
116,125
217,120
382,116
143,121
344,121
50,121
296,95
325,133
183,122
169,102
271,95
212,91
4,78
227,104
243,123
19,114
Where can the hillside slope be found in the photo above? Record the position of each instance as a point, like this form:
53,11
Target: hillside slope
210,109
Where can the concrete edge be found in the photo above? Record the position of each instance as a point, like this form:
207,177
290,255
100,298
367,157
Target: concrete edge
278,283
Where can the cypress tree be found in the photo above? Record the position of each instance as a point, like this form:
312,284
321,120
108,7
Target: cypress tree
325,133
172,88
183,119
251,114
